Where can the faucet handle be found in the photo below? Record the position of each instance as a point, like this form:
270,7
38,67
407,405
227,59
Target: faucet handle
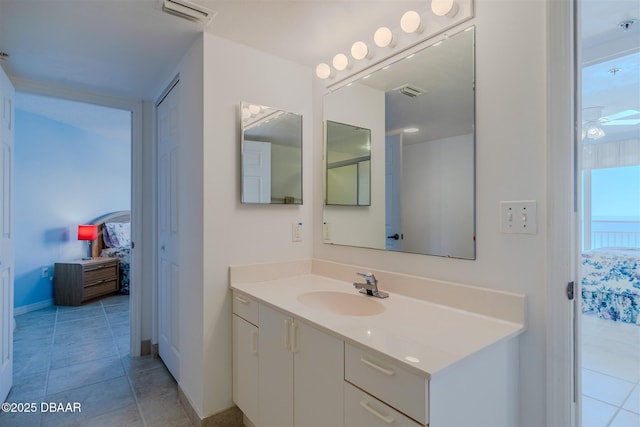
370,278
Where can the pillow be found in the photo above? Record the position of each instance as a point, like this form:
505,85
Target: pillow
118,234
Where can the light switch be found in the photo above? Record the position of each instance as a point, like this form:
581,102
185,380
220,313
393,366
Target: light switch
519,217
326,231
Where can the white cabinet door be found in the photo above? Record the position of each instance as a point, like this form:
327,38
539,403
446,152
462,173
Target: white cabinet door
301,371
275,368
318,378
245,367
6,235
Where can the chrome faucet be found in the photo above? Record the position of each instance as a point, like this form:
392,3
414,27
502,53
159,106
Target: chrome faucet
370,288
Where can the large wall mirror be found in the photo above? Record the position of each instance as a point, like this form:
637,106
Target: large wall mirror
271,152
420,111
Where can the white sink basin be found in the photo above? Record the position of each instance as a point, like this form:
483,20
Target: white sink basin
342,303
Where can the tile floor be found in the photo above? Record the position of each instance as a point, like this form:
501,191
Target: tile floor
610,373
81,354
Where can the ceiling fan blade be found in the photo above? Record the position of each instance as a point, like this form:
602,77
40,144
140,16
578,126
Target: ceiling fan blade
620,115
627,122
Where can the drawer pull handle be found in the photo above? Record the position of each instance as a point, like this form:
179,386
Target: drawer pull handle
377,367
386,418
242,300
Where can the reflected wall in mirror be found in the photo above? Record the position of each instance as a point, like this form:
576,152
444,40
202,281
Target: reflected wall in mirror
271,152
421,112
348,165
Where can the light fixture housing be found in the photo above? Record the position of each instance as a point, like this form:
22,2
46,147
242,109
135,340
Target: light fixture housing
340,62
383,37
323,71
360,50
187,10
447,8
411,22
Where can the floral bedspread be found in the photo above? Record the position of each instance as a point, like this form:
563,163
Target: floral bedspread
611,284
124,255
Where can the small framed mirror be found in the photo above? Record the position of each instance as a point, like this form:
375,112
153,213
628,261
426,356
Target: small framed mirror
348,165
271,153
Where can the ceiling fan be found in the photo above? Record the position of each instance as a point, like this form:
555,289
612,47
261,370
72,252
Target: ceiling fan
593,120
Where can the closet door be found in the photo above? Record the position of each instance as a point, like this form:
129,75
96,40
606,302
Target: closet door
168,122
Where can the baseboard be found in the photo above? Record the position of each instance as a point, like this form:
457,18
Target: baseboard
32,307
231,417
145,347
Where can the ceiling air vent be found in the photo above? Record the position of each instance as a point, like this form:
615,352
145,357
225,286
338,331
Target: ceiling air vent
187,10
410,90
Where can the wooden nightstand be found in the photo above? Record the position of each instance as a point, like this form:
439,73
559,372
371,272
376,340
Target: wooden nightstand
80,281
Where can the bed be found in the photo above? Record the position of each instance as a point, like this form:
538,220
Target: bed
611,284
114,240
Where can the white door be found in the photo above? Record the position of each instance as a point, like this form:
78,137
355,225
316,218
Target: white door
6,237
256,172
393,151
168,122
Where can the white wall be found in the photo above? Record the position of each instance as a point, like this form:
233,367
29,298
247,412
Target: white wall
437,197
511,132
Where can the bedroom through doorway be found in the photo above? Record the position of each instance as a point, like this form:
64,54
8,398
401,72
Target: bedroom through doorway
73,166
609,180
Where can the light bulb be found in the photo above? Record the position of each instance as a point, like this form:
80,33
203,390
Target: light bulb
411,22
340,62
383,37
323,71
245,113
359,50
444,8
254,109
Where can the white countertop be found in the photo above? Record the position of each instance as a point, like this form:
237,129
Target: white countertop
423,336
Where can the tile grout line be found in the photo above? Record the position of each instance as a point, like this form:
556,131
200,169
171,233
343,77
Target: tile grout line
126,373
46,378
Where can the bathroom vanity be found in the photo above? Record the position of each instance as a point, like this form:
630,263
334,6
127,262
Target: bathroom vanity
310,350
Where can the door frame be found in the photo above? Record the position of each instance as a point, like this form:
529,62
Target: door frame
139,121
563,375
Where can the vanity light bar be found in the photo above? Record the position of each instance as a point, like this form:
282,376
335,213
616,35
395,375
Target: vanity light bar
411,23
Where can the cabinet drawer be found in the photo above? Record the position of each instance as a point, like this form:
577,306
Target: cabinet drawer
388,381
100,288
92,276
245,307
363,410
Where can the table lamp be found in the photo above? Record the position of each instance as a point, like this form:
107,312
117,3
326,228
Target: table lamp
89,233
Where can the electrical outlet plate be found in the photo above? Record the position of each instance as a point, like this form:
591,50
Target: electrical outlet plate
296,232
519,217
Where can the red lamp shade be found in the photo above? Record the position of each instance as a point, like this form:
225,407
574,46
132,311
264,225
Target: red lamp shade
87,232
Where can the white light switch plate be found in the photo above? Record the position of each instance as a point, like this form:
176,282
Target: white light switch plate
519,217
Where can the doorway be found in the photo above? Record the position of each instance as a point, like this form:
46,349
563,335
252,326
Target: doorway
609,180
73,164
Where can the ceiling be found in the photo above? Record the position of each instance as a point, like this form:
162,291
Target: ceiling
128,47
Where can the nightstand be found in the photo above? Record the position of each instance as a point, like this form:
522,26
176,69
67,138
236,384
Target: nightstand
79,281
